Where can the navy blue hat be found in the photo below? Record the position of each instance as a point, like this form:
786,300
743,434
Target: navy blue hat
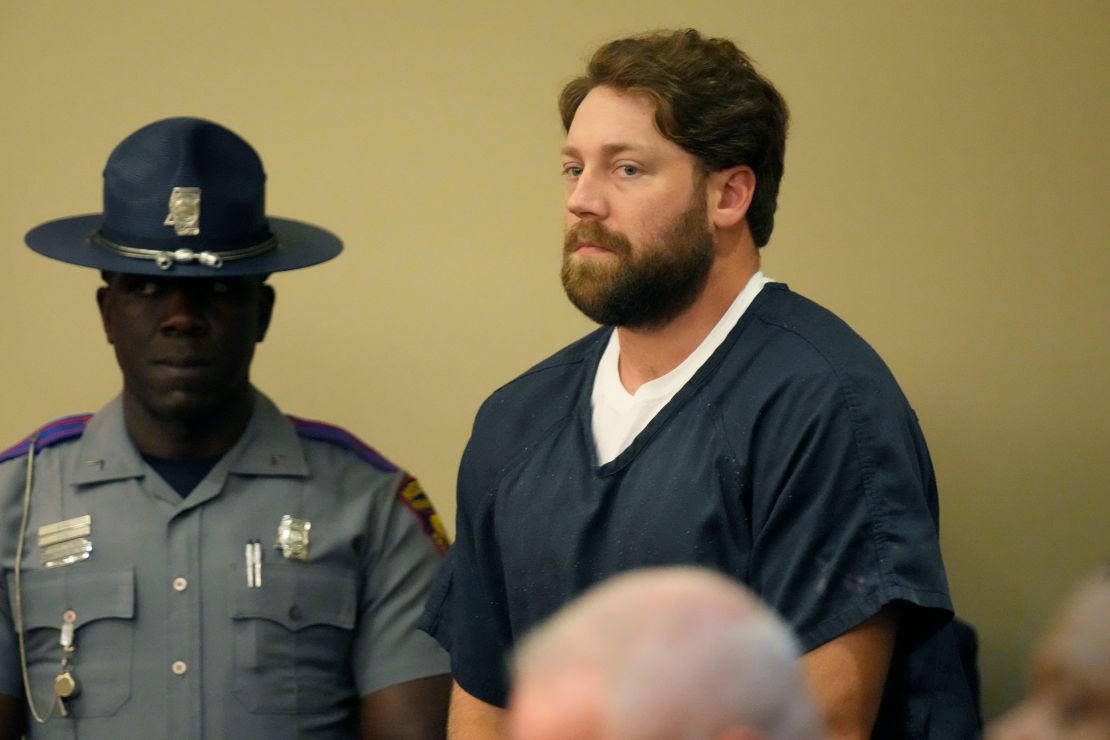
184,197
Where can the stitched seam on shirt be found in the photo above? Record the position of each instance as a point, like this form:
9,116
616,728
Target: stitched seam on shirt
516,455
858,613
526,449
866,469
551,363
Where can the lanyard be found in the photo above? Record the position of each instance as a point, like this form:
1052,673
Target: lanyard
65,685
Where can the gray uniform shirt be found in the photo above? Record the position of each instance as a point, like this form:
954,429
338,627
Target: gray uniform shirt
171,639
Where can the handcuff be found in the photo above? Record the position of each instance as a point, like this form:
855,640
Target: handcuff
65,683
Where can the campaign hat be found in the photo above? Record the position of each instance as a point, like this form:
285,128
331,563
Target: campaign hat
184,197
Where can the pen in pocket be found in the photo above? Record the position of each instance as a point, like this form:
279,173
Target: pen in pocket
252,554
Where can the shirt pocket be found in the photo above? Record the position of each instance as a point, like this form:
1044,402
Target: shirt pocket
293,639
103,606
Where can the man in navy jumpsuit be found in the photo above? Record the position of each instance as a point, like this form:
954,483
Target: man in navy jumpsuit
716,419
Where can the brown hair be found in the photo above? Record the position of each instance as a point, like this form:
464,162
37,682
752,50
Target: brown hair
709,100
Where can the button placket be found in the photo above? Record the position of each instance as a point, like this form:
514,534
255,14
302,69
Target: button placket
182,624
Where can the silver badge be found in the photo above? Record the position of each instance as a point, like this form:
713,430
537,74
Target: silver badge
292,538
184,215
66,542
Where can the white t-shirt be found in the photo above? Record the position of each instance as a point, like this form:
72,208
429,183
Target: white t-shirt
618,416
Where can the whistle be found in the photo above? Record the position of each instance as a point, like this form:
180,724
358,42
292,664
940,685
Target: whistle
65,685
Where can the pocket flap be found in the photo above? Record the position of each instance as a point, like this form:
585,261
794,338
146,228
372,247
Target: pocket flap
295,596
47,595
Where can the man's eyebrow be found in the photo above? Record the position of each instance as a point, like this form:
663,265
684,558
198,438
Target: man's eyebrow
609,150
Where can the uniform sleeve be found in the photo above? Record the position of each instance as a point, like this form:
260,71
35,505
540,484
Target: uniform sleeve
11,474
467,612
843,507
404,559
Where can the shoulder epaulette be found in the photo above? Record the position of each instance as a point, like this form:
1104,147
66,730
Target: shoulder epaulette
65,428
409,492
336,435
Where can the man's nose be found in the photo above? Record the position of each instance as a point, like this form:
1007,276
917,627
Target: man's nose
182,312
586,197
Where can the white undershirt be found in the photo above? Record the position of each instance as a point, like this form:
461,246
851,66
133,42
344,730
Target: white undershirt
618,416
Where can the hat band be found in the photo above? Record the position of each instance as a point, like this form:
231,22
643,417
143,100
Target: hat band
166,259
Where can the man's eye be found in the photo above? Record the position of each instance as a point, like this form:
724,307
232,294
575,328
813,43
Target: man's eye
219,287
572,171
145,287
629,170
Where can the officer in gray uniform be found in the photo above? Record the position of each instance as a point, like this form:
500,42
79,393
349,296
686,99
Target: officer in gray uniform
189,562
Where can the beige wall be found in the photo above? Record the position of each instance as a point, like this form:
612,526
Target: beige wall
945,193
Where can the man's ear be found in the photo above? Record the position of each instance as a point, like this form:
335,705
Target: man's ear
103,302
266,298
730,194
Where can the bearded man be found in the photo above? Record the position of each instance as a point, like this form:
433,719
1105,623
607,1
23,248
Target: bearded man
716,419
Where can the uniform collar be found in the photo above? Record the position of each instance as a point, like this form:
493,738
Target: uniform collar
106,451
269,446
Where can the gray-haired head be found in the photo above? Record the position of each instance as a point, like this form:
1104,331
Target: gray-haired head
671,653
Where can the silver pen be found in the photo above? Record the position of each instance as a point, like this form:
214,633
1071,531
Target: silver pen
258,563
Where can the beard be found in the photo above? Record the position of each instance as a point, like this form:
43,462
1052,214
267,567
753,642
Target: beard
645,290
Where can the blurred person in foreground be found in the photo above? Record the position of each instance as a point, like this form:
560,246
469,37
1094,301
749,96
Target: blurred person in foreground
661,654
1070,698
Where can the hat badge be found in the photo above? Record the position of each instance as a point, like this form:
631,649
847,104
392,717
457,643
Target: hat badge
184,215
